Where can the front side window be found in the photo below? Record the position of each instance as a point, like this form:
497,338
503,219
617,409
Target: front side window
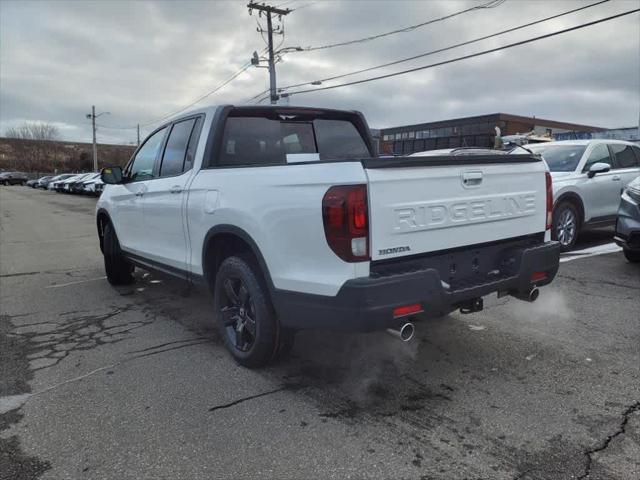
176,149
599,154
272,139
145,159
625,158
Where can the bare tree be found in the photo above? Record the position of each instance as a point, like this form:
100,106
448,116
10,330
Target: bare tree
33,131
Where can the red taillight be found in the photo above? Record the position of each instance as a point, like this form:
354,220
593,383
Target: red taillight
549,200
537,276
345,214
407,310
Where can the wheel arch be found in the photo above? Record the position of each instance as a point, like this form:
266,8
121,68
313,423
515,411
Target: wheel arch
222,241
102,218
574,199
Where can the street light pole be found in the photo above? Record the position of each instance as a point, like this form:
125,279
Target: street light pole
93,117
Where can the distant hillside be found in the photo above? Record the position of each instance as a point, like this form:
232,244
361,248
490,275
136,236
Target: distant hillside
55,156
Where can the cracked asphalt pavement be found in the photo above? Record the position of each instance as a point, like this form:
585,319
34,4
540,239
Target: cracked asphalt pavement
134,383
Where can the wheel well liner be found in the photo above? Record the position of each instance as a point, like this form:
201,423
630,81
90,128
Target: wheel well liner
102,218
224,240
575,199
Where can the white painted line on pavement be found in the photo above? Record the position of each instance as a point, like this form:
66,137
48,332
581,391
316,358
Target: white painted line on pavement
590,252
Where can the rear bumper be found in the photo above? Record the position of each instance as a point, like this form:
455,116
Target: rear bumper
367,304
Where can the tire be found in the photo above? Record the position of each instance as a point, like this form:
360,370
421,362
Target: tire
566,225
632,255
245,316
118,270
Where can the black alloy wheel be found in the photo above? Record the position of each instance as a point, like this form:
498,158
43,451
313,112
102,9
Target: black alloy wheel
238,314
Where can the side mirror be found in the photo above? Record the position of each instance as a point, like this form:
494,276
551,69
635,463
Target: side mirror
599,167
111,175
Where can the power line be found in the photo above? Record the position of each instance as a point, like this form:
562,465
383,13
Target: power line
444,49
490,4
466,57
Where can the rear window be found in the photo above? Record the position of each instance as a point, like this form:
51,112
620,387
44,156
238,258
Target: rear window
560,158
273,139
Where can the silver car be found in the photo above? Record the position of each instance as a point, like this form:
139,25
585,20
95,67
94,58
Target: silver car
588,179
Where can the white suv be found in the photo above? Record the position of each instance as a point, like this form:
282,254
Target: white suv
588,179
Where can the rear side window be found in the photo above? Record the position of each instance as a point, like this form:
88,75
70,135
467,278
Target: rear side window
273,139
193,144
176,150
625,158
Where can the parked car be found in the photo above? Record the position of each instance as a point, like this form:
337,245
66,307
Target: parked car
31,183
290,218
13,178
628,223
93,186
588,178
52,183
43,181
64,185
77,185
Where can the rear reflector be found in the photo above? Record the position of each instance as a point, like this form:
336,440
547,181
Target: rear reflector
537,276
407,310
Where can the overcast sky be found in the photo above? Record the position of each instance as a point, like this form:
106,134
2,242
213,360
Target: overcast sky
140,60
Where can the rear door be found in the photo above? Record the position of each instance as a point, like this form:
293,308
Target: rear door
165,196
444,203
627,164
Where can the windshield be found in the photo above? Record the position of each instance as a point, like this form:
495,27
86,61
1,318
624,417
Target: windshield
560,158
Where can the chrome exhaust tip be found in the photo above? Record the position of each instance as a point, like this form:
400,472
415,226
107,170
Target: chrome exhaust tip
531,296
404,333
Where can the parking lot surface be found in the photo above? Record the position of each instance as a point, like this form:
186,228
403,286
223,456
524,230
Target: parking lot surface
134,383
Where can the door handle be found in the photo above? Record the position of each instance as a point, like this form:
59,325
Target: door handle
140,193
616,178
176,189
471,178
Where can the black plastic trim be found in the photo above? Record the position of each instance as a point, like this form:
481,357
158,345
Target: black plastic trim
144,262
243,235
366,304
448,160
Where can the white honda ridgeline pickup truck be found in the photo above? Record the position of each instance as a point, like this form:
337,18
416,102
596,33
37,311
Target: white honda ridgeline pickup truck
294,222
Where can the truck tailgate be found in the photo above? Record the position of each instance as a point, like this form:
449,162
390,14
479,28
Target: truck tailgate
437,203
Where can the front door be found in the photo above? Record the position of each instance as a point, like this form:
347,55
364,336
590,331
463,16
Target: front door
601,192
164,200
128,198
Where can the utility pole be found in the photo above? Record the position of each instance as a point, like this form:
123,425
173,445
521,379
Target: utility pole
93,117
138,134
95,147
269,11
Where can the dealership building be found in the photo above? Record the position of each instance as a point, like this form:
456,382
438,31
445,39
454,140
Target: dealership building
468,132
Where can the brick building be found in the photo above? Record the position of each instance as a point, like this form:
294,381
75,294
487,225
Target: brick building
476,131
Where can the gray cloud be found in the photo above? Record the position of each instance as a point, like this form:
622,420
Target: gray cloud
140,60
